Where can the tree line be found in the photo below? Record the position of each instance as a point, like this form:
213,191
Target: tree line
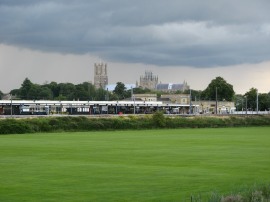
68,91
58,91
218,89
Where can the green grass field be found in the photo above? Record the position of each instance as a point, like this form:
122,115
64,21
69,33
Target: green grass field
147,165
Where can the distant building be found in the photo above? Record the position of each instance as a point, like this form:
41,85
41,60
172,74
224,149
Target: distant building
149,80
172,87
145,97
101,77
183,99
223,107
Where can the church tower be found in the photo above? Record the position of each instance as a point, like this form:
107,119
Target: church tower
101,77
149,80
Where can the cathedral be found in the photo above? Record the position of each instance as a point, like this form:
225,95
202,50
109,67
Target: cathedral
149,80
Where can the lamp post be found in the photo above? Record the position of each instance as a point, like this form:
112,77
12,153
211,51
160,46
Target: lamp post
190,110
242,105
107,95
257,102
116,111
88,90
246,105
133,99
216,100
11,105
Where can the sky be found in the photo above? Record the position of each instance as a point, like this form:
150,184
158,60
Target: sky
178,40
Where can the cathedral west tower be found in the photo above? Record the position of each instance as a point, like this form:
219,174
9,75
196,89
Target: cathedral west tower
101,77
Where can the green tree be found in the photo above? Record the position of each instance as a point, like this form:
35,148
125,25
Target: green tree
37,92
159,119
45,93
139,90
195,94
112,96
33,92
15,92
53,86
240,102
251,97
224,90
25,89
120,90
82,91
91,90
263,100
67,91
100,94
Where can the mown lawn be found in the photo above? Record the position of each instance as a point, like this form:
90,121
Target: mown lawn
146,165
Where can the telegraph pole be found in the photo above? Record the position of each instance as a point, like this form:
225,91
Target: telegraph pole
242,105
257,102
216,100
11,105
107,99
190,110
107,95
246,105
133,99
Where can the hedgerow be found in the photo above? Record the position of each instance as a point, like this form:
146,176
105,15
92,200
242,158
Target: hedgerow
157,120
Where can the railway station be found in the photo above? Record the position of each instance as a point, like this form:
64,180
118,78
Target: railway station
47,107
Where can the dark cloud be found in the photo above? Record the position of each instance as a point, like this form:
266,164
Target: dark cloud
173,32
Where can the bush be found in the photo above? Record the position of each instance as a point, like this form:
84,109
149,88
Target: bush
11,126
159,119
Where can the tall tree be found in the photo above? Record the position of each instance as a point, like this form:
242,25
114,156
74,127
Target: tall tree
25,89
82,92
263,100
239,101
15,92
120,90
67,91
100,94
251,97
53,86
33,92
91,90
45,93
219,87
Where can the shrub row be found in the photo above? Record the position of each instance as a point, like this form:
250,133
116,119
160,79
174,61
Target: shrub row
158,120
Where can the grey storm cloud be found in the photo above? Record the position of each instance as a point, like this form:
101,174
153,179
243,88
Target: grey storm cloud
174,32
